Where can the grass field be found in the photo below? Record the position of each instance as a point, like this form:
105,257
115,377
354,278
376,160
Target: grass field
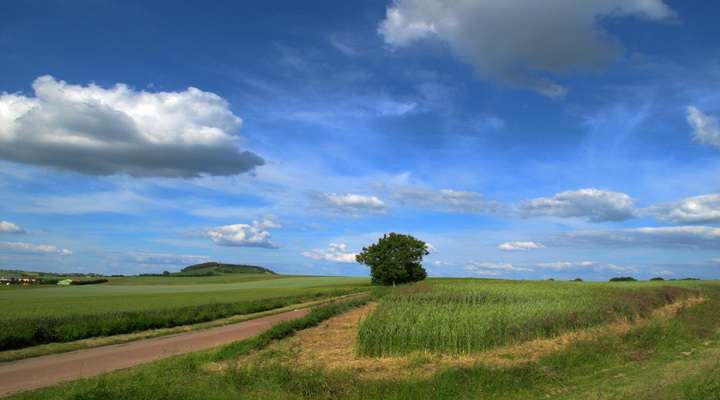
659,356
38,315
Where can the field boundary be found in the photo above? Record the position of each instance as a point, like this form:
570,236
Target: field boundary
64,347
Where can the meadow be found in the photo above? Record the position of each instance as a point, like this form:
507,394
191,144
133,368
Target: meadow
658,356
39,315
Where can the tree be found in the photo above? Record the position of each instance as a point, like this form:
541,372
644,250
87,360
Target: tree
395,259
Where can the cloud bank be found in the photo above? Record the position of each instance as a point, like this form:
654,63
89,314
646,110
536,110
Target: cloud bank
706,129
517,41
31,248
593,204
336,252
704,237
693,210
444,200
9,227
255,234
98,131
354,204
520,246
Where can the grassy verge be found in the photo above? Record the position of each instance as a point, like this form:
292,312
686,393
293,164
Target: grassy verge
25,332
54,348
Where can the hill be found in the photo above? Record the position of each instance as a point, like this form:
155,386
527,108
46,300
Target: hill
214,268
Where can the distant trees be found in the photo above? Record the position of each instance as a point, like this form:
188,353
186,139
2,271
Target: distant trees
623,279
396,258
657,279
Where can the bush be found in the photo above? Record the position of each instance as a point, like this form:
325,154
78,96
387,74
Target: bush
623,279
657,278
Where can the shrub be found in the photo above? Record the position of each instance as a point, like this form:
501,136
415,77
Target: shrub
657,278
88,282
623,279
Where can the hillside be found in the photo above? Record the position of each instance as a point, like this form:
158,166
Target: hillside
214,268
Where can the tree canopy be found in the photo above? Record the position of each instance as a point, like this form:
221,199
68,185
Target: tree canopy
396,258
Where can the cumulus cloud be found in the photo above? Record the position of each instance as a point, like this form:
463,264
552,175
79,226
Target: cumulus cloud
99,131
354,204
492,269
706,129
255,234
594,204
9,227
336,252
520,246
444,200
517,41
693,210
31,248
684,236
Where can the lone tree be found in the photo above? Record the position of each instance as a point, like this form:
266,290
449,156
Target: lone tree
395,259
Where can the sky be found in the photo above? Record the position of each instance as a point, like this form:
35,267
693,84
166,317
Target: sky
520,139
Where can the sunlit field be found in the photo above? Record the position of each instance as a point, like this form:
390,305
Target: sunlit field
40,315
465,316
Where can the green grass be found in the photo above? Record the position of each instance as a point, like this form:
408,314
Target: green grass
61,314
465,316
650,362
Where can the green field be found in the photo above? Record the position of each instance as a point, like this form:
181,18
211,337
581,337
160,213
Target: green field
45,314
659,356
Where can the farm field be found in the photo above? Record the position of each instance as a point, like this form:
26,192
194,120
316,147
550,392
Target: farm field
460,339
37,315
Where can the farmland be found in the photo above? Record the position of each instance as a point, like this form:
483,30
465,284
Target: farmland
460,339
37,315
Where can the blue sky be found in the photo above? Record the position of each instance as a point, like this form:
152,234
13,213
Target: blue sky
519,139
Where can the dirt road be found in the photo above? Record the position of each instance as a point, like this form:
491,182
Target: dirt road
33,373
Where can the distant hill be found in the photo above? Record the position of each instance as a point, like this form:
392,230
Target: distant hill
214,268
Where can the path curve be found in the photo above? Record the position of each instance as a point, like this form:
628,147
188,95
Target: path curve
38,372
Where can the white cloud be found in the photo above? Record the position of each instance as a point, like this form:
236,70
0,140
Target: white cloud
516,41
170,259
594,204
693,210
563,265
492,269
706,128
684,236
244,235
9,227
336,252
520,246
98,131
21,247
354,204
443,200
585,265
